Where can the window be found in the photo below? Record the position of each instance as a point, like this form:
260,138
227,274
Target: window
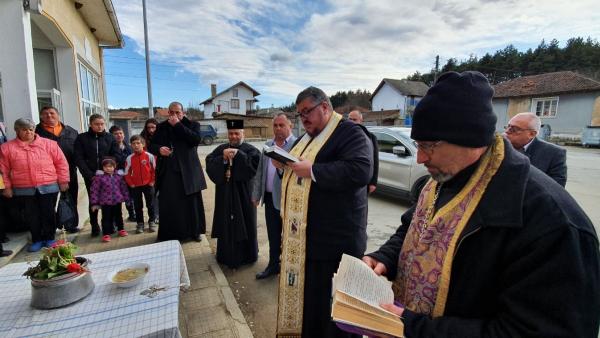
545,106
235,92
235,104
386,142
89,93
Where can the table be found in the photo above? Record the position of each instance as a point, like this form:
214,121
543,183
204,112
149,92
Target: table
108,311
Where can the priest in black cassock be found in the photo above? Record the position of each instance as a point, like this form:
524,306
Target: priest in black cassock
179,177
232,167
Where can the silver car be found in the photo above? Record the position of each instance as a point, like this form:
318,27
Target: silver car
399,173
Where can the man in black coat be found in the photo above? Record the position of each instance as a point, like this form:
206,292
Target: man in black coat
52,128
357,117
522,131
324,208
494,247
179,177
90,148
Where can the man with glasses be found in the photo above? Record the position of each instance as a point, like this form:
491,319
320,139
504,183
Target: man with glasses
324,212
522,131
493,246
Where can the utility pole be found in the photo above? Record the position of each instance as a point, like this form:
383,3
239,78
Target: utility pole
437,67
147,47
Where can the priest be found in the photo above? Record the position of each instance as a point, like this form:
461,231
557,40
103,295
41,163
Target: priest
232,167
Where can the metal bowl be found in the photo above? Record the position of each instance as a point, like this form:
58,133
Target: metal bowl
62,290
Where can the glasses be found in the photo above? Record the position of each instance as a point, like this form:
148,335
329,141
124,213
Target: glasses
510,129
307,112
428,147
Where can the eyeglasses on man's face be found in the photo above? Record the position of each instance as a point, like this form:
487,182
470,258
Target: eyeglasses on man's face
307,111
510,129
427,147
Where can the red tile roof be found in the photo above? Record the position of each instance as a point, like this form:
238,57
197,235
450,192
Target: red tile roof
124,115
546,84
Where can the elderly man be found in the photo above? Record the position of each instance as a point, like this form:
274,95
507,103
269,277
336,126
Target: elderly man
521,131
52,128
179,177
267,187
357,117
493,247
324,213
232,167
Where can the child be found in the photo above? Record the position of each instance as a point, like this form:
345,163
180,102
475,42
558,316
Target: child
124,151
107,192
139,175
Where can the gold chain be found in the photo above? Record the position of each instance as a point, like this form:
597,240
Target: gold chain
429,212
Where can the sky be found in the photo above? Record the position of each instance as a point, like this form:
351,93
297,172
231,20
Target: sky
281,47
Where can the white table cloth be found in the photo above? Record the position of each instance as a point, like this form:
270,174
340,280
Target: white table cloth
107,311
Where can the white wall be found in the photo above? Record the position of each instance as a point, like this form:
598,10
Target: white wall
19,97
388,98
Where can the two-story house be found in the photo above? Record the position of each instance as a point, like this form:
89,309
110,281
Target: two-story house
401,95
52,54
238,99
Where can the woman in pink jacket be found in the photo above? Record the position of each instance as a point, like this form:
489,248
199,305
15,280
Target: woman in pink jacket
34,170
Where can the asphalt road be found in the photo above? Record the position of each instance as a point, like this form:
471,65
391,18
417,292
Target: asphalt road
258,299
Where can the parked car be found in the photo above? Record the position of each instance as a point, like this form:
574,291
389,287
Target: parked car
399,173
208,133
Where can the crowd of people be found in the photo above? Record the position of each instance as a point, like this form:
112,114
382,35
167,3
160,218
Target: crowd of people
493,247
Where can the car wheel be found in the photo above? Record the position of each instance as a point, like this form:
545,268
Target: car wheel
207,140
416,190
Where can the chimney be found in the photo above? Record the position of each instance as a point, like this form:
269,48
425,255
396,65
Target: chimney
213,90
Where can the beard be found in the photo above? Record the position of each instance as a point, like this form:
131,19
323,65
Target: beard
442,177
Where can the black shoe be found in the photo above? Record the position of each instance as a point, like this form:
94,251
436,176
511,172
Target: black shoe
131,219
95,231
5,253
198,239
269,271
4,239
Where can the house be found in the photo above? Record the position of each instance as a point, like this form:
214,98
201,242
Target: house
565,101
124,119
238,99
51,54
401,95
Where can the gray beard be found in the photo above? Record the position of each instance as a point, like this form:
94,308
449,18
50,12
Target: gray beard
441,178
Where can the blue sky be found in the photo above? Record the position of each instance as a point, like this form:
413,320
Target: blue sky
281,47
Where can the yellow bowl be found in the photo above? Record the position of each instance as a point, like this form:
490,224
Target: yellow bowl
129,275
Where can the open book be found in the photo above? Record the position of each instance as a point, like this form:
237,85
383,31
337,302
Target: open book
279,154
357,293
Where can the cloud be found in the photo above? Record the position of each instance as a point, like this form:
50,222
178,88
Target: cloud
281,47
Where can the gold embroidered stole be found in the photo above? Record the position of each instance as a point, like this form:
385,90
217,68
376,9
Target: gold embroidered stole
294,208
425,261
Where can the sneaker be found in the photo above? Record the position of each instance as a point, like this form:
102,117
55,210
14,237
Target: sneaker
106,238
123,233
151,227
48,244
35,247
140,228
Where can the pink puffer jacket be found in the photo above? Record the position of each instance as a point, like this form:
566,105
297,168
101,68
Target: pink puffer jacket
32,165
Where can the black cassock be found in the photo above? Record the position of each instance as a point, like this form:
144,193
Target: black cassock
234,221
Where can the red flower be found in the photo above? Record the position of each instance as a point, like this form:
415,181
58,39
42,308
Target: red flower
74,267
58,243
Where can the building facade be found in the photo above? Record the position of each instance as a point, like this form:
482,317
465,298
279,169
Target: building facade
238,99
52,54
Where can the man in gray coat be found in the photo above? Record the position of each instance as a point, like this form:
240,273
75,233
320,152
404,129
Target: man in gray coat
522,131
267,187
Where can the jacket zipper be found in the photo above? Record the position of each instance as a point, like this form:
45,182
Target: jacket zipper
463,238
97,154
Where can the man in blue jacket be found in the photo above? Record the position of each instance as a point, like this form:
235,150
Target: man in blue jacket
493,247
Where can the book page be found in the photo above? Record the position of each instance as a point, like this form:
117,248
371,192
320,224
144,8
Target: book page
355,278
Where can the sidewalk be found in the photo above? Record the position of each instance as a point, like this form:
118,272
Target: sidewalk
208,309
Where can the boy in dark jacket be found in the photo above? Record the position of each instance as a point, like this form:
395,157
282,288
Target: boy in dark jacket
107,192
139,175
90,148
124,151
